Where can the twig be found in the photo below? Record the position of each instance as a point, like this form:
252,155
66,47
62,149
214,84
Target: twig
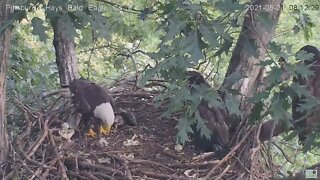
46,173
25,166
61,165
21,153
95,166
283,153
203,156
90,176
25,107
241,164
10,175
230,154
19,140
164,176
122,162
36,174
195,165
223,172
33,148
104,176
172,155
76,175
142,161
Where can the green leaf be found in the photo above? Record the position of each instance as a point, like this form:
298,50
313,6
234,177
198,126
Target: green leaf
202,126
39,29
275,48
184,128
149,73
308,104
298,89
265,63
256,112
232,105
213,99
304,55
229,6
193,45
175,26
258,97
304,70
209,35
274,75
276,109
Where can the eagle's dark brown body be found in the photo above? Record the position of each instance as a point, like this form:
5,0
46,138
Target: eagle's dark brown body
87,96
302,123
216,120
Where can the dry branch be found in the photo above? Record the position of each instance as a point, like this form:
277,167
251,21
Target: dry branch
164,176
33,148
62,169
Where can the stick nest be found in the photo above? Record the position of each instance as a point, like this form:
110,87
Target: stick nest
41,150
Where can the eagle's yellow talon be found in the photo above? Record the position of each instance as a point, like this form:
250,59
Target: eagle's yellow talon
91,133
104,130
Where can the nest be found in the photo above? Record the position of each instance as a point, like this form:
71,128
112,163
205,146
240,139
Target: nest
44,149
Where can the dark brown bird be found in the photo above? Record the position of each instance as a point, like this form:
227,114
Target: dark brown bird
94,102
303,122
216,121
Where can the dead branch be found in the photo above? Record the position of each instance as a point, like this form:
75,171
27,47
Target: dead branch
172,155
33,148
22,137
195,165
203,156
229,155
62,169
104,176
223,172
161,175
46,173
25,157
95,166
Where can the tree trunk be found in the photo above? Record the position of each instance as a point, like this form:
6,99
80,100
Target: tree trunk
4,55
251,50
254,38
66,58
253,34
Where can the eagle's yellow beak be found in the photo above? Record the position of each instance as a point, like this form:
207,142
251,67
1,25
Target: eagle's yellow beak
105,129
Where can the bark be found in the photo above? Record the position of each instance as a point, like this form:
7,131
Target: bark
267,130
66,58
4,55
242,60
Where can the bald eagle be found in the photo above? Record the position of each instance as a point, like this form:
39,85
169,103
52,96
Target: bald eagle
216,121
302,121
94,102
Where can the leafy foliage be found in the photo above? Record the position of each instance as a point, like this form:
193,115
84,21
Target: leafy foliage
170,37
